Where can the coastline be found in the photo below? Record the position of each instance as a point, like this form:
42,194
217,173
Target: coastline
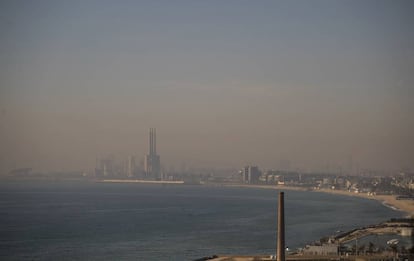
405,206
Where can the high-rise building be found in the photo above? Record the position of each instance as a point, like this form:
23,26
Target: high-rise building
130,167
152,160
105,167
251,174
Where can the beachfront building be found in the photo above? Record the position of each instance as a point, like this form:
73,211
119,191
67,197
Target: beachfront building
251,174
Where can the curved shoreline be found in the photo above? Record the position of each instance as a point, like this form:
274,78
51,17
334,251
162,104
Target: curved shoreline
390,201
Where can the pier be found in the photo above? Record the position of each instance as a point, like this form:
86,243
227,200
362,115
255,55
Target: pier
404,227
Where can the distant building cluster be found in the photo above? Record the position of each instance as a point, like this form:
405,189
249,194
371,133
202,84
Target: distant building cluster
253,175
108,168
402,183
149,168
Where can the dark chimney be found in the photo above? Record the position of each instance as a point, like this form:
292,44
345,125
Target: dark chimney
281,229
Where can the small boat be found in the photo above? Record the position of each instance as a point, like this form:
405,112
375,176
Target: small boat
393,241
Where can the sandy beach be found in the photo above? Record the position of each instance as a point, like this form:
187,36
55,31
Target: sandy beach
406,206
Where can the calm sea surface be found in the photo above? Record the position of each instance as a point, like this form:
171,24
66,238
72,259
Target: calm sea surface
97,221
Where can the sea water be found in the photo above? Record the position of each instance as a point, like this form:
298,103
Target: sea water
64,220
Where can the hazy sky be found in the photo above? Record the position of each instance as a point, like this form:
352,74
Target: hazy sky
226,83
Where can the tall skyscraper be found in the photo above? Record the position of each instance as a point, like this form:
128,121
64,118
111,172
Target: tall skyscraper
152,160
130,166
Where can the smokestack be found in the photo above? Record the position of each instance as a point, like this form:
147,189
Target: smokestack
150,141
281,229
155,141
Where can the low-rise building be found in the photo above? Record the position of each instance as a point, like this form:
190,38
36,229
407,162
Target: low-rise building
321,250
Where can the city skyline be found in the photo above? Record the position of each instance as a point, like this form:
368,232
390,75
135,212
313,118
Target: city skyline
310,85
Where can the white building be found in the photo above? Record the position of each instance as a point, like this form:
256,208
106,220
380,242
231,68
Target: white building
323,250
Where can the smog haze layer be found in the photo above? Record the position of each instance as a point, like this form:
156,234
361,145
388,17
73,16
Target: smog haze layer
317,84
